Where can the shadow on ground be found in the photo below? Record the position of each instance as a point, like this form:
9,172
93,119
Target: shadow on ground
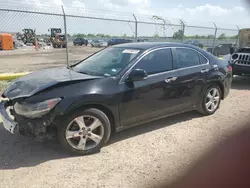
17,151
241,83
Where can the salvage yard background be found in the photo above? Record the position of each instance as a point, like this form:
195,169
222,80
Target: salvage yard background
144,155
37,47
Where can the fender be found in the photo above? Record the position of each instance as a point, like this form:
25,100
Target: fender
108,104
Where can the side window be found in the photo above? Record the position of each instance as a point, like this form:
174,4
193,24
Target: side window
187,58
203,60
156,62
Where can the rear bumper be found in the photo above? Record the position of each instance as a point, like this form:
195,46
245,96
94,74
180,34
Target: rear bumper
227,84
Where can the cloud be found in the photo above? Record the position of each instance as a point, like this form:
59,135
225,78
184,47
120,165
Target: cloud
78,4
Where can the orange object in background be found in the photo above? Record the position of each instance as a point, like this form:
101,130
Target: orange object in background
6,41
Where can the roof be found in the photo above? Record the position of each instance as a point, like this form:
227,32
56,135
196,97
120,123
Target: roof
149,45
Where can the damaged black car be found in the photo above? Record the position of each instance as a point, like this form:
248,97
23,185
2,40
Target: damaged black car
114,89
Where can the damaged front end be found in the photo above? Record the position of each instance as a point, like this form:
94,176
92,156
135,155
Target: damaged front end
29,119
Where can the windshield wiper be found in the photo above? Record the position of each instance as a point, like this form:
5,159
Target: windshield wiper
83,72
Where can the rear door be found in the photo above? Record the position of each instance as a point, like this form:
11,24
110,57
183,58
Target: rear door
192,68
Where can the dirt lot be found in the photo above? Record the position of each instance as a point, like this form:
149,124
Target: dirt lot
31,60
143,155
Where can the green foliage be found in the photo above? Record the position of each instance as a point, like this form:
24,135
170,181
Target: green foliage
178,34
156,35
79,35
210,37
234,37
82,35
222,36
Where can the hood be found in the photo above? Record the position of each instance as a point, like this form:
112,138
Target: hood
33,83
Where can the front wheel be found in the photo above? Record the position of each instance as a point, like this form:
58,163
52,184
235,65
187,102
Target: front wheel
84,132
211,100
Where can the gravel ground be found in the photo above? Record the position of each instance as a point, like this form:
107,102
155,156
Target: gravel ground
138,157
25,61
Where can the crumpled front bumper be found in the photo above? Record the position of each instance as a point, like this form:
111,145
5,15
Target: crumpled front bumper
35,128
8,123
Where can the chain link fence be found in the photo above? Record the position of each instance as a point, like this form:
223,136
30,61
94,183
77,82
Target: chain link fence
51,36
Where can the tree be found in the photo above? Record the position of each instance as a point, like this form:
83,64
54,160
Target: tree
178,34
222,36
234,37
100,35
90,35
156,35
210,37
79,35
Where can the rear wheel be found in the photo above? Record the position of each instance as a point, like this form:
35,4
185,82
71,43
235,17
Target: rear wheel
84,132
211,100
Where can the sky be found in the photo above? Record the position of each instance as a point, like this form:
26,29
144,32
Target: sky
225,13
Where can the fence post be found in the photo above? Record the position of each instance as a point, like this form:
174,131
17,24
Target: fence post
183,30
215,34
66,36
238,38
136,27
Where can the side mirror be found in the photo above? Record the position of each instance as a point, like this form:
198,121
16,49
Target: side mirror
232,50
137,75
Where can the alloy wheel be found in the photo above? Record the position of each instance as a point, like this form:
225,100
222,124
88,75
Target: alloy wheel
84,132
212,99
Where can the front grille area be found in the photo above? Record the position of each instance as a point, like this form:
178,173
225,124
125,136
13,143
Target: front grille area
243,60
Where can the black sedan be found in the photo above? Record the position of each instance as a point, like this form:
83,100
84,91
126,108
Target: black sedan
114,89
80,42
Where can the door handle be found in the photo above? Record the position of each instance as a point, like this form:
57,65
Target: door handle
204,70
170,79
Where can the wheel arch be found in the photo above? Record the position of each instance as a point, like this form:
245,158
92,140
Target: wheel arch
108,112
217,82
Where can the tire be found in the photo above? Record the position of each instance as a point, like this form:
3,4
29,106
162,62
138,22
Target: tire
203,109
92,112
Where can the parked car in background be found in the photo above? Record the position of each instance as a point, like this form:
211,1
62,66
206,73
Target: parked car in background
223,49
194,43
99,43
114,89
118,41
142,40
80,42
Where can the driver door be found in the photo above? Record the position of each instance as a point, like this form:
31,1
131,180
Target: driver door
153,97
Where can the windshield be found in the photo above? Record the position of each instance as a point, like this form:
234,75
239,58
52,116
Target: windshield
108,62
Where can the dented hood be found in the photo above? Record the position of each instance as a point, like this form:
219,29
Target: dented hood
33,83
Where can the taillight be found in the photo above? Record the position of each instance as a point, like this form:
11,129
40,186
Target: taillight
230,69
